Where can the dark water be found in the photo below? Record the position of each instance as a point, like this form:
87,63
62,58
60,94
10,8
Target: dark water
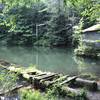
61,60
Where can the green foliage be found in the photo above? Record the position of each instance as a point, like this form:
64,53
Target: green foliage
19,18
30,95
77,32
57,32
88,51
34,95
20,23
7,80
26,94
89,10
60,91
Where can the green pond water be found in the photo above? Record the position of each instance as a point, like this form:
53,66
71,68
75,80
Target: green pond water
61,60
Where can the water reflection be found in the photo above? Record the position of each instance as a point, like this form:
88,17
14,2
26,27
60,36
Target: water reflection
87,65
59,60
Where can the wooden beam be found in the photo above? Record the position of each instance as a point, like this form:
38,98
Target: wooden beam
92,85
11,90
69,79
45,76
57,80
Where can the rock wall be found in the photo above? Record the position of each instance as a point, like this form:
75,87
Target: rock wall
89,45
92,36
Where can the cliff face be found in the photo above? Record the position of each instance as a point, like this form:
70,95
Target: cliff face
91,36
89,43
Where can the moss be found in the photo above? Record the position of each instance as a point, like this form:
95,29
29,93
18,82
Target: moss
87,51
98,41
63,92
27,94
7,80
89,76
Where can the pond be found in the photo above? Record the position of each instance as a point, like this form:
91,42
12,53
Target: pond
61,60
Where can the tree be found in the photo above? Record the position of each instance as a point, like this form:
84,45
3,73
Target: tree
88,9
57,30
20,23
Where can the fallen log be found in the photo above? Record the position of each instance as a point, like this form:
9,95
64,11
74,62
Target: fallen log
71,92
92,85
75,92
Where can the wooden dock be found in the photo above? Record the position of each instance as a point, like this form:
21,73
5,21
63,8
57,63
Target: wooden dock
44,80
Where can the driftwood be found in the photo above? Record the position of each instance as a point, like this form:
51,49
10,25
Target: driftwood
86,83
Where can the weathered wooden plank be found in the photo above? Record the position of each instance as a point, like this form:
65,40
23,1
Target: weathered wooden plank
69,79
4,63
11,90
45,76
37,80
28,76
41,74
57,80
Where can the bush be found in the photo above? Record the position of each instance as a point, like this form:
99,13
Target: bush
7,80
34,95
